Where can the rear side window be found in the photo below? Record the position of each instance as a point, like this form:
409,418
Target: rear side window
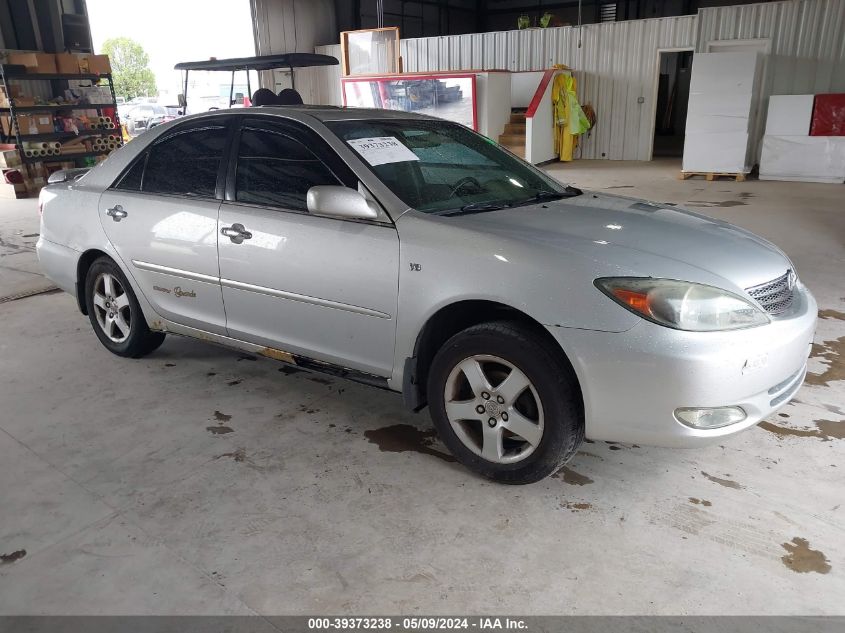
186,163
277,170
131,180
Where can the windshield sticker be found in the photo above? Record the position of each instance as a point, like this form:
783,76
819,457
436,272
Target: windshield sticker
381,150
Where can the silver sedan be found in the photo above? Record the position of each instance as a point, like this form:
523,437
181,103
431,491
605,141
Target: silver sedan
415,255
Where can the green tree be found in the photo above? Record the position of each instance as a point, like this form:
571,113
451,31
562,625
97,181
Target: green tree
130,68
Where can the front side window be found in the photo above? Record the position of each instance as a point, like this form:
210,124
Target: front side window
440,167
277,170
186,163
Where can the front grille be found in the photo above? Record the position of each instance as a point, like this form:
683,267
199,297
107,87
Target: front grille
774,296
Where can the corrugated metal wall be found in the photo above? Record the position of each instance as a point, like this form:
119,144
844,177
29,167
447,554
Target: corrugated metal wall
616,66
806,40
617,63
324,81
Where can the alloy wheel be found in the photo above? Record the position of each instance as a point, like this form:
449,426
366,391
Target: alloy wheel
112,308
494,409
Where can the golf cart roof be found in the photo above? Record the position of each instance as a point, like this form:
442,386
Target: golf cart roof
261,62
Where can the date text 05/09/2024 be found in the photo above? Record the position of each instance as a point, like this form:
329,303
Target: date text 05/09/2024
417,623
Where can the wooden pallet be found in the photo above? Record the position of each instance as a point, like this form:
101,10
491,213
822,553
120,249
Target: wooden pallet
713,175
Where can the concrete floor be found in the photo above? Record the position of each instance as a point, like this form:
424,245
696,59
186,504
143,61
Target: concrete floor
202,481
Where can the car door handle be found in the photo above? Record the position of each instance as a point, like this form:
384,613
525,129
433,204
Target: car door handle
117,213
237,233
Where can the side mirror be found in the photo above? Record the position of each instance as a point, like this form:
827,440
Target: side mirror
339,202
65,175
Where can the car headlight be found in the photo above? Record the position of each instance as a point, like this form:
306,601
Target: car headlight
683,305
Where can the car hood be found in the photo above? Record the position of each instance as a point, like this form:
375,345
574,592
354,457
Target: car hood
640,238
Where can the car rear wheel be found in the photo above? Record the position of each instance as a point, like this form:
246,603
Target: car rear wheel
115,314
505,405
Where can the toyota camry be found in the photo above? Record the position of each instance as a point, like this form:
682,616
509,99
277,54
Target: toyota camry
415,255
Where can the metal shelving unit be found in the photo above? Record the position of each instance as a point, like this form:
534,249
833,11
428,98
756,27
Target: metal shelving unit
58,136
62,158
11,73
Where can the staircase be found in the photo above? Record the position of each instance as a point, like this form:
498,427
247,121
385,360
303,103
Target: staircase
514,135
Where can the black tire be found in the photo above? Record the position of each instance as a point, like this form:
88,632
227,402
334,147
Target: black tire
141,340
553,381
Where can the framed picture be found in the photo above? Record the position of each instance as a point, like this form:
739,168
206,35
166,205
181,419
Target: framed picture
370,52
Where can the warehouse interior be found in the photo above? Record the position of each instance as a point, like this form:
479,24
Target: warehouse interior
199,480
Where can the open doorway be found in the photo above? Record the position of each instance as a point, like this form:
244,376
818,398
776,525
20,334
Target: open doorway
672,101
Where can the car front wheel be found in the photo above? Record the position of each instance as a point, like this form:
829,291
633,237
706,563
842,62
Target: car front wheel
115,313
504,403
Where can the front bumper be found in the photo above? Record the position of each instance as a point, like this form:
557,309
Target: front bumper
633,381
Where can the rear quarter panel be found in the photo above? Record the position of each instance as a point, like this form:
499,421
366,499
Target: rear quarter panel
70,226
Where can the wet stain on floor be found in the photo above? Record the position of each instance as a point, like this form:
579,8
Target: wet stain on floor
232,383
709,204
832,314
703,502
800,558
576,507
826,430
222,417
322,381
219,429
170,364
569,476
833,353
588,454
8,559
238,455
211,373
727,483
401,438
832,408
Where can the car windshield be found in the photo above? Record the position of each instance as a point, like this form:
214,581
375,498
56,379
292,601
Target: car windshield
445,168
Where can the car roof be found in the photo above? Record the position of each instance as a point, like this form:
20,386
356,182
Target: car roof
319,112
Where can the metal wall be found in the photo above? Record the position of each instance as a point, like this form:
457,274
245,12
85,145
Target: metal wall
807,40
616,65
289,26
323,81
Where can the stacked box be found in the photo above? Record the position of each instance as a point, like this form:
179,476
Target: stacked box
67,63
17,190
10,158
803,158
14,92
36,123
789,115
828,115
94,64
34,62
724,89
790,151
